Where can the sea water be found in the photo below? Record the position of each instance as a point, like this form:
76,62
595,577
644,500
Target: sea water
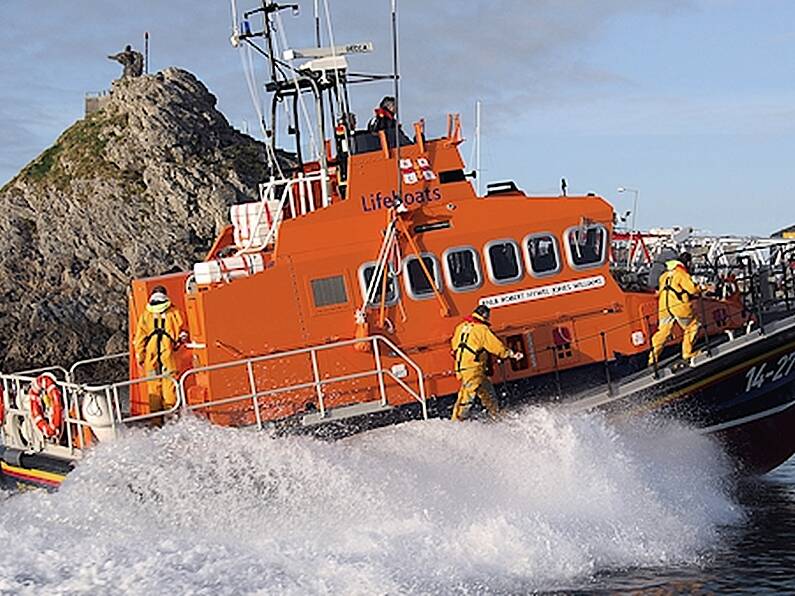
539,501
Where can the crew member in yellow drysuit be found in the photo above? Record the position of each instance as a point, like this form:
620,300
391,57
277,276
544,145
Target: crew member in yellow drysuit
157,335
676,291
471,340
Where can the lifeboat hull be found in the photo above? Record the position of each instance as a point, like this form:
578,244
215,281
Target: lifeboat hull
744,395
23,470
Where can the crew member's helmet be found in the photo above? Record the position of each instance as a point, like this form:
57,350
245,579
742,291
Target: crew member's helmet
127,48
159,295
482,313
686,259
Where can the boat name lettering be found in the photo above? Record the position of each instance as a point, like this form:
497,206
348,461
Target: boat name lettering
529,294
376,201
759,375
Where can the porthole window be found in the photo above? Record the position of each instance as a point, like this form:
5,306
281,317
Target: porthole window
502,261
366,273
417,283
541,254
586,245
462,268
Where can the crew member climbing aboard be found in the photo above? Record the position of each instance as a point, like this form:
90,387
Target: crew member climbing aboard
158,334
472,340
676,291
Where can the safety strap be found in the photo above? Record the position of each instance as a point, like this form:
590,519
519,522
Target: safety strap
679,294
463,346
159,331
668,287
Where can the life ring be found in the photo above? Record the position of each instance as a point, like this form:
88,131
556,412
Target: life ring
48,423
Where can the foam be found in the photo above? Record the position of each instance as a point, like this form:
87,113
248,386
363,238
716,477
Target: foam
540,500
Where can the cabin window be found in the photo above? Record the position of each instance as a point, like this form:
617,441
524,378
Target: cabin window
502,261
417,283
586,245
462,268
541,254
366,273
329,291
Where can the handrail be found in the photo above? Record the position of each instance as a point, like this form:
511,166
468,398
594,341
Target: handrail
70,393
316,382
43,369
114,387
74,396
267,190
87,361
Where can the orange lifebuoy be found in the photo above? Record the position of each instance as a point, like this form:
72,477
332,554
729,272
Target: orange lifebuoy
50,424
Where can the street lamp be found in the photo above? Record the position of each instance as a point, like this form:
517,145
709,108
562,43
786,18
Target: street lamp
636,192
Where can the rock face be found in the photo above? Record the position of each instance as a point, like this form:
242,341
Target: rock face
138,188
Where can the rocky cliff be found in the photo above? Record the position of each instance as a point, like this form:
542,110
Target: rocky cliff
138,188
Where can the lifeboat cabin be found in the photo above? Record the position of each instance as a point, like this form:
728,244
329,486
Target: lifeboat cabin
336,294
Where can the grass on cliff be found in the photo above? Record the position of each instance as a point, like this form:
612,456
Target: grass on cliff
78,154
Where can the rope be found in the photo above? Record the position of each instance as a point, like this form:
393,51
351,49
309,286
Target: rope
380,264
247,64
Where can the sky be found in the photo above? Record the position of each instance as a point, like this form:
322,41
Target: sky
691,102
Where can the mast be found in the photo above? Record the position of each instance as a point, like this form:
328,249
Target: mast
396,76
317,23
321,74
477,147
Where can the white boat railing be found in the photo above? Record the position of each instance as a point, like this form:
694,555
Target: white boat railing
377,343
19,432
297,194
81,364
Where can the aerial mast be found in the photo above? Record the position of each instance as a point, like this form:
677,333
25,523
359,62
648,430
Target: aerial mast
317,23
396,77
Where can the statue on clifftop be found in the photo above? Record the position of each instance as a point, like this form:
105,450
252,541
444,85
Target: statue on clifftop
132,60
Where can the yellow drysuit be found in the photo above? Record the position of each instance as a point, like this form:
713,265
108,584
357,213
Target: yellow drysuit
471,340
676,289
156,336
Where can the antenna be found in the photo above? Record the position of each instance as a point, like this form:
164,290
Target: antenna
146,52
317,23
477,146
396,75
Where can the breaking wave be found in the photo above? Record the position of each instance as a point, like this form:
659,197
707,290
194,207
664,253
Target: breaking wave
541,500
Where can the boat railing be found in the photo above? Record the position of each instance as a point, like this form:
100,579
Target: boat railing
110,402
636,254
118,395
19,430
81,365
56,371
110,399
761,296
298,195
378,344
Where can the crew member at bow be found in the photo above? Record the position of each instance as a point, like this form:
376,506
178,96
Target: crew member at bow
472,342
675,307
